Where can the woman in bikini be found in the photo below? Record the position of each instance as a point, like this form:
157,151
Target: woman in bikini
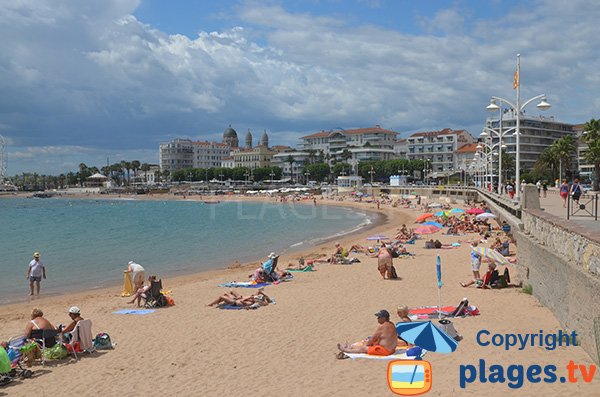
36,326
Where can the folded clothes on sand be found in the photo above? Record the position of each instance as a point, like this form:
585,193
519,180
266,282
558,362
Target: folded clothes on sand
134,311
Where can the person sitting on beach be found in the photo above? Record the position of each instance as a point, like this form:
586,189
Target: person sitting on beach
437,244
302,264
382,343
75,315
339,254
141,292
35,327
504,247
429,244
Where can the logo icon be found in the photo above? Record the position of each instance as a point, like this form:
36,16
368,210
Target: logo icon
409,377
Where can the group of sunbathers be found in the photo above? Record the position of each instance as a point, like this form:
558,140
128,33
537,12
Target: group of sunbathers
268,271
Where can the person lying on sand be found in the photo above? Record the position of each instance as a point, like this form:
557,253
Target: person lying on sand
382,343
249,302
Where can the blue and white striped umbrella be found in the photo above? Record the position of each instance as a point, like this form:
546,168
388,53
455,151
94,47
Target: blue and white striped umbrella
427,336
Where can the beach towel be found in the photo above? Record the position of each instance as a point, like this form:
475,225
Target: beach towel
127,285
400,354
243,284
308,268
134,311
411,241
431,312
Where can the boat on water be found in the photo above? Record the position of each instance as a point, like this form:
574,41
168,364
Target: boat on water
211,202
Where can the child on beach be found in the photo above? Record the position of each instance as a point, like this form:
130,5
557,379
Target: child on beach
475,265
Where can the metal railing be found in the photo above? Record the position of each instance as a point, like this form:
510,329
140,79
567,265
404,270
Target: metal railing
586,206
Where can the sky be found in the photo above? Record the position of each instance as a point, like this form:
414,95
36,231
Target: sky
102,81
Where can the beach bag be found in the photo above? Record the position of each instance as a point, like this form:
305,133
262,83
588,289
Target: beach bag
393,274
170,301
4,361
56,352
447,326
102,341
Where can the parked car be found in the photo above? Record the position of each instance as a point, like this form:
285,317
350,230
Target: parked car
586,188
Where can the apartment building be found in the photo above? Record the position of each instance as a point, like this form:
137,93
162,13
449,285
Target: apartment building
439,148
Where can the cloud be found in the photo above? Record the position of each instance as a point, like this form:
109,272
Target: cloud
80,77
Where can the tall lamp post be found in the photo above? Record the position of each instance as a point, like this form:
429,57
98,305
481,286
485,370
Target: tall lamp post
518,107
307,174
372,172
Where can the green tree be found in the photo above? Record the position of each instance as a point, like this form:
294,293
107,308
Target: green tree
135,165
592,154
145,167
564,149
290,160
317,172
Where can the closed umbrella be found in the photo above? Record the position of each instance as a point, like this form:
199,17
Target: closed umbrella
475,211
427,229
491,254
422,217
432,223
485,215
438,268
427,336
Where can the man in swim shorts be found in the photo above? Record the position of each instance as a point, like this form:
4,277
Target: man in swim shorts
35,272
382,343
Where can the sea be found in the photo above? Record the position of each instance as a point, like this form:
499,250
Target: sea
87,243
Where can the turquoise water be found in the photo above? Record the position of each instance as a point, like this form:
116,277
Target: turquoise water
87,243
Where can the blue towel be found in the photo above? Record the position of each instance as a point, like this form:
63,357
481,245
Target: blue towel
246,284
230,307
134,311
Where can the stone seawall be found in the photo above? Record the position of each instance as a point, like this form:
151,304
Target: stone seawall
563,267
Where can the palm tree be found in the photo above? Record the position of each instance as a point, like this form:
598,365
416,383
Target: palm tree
291,161
145,167
135,164
564,149
547,160
312,153
127,166
591,136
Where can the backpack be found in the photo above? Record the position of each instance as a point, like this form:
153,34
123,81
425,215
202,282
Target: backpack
102,341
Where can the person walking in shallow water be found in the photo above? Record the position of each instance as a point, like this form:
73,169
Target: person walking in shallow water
35,272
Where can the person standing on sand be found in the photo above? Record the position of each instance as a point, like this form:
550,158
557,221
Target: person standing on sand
35,272
138,274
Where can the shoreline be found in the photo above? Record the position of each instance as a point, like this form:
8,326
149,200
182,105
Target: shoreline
377,219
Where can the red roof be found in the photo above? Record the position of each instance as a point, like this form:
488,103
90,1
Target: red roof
445,131
468,148
356,131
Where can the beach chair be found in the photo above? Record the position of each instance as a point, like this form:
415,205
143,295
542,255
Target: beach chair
154,298
82,338
46,338
15,356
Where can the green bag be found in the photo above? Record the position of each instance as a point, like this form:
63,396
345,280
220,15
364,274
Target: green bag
4,361
56,352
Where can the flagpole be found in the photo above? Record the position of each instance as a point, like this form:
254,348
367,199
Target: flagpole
518,129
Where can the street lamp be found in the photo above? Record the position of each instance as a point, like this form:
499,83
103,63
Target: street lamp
488,132
518,108
272,175
190,177
372,172
307,174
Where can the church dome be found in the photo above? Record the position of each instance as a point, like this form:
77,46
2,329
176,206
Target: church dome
230,133
265,139
230,137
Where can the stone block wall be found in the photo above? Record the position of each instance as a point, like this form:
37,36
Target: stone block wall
563,268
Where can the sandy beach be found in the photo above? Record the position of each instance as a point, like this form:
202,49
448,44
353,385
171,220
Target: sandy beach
288,349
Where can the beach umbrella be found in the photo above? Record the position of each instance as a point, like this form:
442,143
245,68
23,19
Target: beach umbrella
457,211
485,215
422,217
427,336
427,229
438,269
475,211
432,223
378,238
491,254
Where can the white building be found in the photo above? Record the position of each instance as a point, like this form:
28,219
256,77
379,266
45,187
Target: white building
209,154
353,146
439,148
401,148
291,170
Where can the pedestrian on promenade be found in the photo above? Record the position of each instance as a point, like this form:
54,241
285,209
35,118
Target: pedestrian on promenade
576,191
564,192
35,272
545,188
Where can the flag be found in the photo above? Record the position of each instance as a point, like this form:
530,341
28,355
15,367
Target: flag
516,79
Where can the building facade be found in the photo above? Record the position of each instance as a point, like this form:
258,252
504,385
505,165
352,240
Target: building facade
175,155
352,146
209,154
438,148
537,134
256,157
291,164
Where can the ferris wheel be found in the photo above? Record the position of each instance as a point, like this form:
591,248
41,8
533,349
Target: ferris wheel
3,159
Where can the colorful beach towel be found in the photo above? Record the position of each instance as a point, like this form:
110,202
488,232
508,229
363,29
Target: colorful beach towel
400,354
243,284
431,312
134,311
308,268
